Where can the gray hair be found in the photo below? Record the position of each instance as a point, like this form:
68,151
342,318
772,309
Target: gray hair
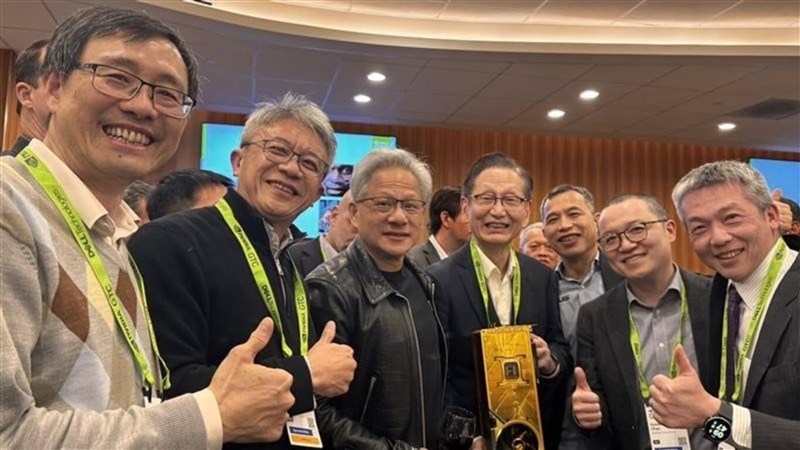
136,191
533,226
652,203
718,172
389,159
296,107
564,188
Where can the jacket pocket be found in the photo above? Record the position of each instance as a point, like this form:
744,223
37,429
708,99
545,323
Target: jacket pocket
372,381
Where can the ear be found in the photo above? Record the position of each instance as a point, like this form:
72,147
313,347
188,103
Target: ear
23,91
353,208
443,216
236,161
671,228
53,83
773,217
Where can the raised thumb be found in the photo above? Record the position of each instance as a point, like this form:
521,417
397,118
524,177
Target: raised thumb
580,379
328,333
684,365
258,339
776,194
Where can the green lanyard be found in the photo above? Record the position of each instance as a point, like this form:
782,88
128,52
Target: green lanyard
636,345
516,281
766,289
47,181
264,286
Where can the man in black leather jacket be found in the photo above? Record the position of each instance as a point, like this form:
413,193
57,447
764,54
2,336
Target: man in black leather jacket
382,304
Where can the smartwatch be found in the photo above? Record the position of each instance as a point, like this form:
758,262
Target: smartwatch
718,427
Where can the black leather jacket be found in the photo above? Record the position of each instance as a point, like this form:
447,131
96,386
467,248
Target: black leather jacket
383,409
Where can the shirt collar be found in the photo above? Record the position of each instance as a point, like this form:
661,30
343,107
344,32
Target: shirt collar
750,287
118,224
276,246
489,267
327,248
439,250
674,285
595,266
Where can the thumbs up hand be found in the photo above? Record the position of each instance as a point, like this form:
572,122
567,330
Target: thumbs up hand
253,400
585,403
784,212
681,402
332,365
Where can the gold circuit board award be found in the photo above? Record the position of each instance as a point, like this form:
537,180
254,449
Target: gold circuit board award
508,403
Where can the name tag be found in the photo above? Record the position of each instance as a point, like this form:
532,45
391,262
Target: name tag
663,438
302,430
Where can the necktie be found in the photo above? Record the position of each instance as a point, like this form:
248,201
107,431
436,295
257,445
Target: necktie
734,317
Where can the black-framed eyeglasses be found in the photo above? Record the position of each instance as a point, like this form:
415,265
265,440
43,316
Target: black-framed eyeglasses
125,85
385,205
280,152
507,201
634,233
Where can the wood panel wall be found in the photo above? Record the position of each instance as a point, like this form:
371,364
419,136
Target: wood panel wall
607,167
8,99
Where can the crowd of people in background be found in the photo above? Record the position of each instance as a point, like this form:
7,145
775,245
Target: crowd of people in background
193,314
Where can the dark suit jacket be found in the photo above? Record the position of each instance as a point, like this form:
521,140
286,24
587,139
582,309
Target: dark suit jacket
772,392
610,277
604,353
461,310
306,255
424,255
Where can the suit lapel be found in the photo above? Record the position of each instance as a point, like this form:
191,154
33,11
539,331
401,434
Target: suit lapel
697,298
431,256
466,273
772,328
617,328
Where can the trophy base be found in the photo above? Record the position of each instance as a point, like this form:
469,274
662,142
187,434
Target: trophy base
518,435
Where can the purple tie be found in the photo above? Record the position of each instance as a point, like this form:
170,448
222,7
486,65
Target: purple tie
734,317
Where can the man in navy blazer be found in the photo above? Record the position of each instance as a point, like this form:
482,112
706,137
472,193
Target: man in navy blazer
496,195
636,236
754,314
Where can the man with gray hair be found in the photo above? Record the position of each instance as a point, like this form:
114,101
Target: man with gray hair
382,304
30,89
754,399
533,243
212,273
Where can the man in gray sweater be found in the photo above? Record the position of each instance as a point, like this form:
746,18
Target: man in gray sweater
78,358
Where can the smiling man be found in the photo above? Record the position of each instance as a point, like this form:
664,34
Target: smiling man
486,284
77,353
533,243
212,273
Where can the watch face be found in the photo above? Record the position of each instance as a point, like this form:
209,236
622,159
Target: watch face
717,429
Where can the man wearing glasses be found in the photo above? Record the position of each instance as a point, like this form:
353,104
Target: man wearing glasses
78,357
212,273
485,284
383,307
628,335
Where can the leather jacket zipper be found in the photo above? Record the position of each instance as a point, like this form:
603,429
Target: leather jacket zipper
419,368
372,381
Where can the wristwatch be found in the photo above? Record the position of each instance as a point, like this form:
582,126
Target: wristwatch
718,427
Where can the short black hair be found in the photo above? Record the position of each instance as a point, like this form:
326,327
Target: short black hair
178,191
28,66
446,199
496,160
72,35
793,207
564,188
135,192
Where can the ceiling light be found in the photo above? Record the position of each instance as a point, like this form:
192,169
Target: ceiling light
376,77
555,113
589,94
726,126
361,98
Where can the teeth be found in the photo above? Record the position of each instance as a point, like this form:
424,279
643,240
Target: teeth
129,136
728,255
633,258
283,188
570,238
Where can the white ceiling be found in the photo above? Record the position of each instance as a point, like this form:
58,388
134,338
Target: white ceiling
650,93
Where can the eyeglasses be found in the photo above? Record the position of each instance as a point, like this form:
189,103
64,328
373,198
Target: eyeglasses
125,85
489,200
634,233
385,205
280,152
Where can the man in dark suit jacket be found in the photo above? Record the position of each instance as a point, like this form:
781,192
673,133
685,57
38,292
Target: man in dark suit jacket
449,228
310,253
496,197
733,226
636,236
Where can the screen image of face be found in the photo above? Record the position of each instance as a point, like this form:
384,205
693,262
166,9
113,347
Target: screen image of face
219,140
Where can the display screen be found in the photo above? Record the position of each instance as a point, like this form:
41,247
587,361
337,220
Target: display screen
218,141
781,174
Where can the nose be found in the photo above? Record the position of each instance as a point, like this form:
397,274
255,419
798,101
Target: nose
719,235
397,216
625,244
291,167
497,208
141,105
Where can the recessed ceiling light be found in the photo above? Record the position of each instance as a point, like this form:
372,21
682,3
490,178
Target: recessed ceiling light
726,126
361,98
589,94
555,113
376,77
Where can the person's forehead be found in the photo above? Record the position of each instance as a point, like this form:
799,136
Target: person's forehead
137,57
566,200
499,178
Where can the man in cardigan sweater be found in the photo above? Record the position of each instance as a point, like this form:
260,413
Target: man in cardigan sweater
76,349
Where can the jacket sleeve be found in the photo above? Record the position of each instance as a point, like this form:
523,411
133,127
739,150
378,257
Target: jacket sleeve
586,360
554,334
339,431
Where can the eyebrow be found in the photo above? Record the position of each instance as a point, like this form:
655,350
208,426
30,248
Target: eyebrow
131,65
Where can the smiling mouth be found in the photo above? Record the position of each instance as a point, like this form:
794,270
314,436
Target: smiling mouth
496,226
633,258
568,239
127,136
729,255
282,187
